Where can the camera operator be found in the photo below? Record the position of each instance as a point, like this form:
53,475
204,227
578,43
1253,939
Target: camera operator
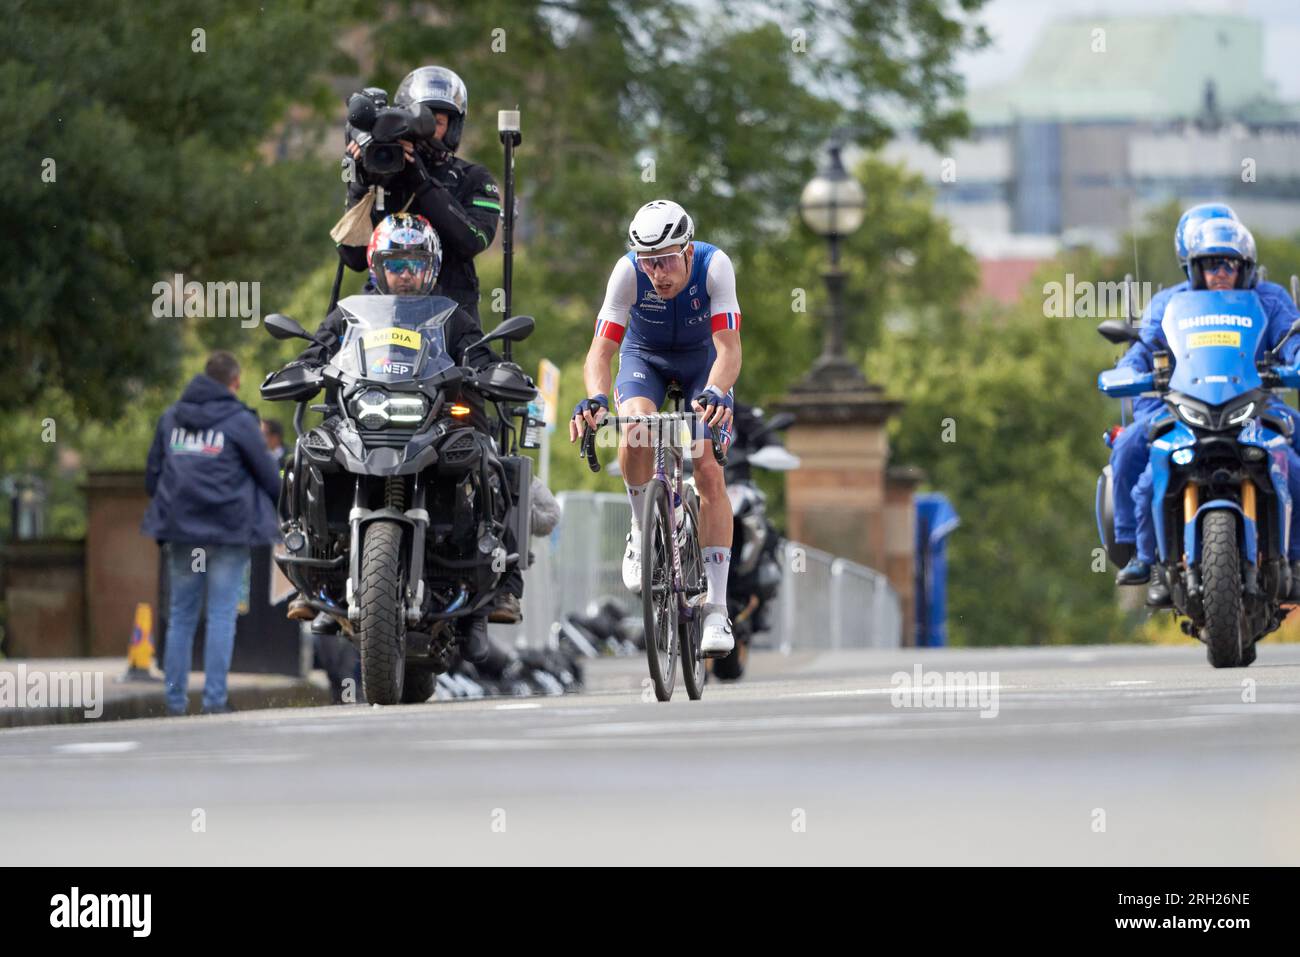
460,199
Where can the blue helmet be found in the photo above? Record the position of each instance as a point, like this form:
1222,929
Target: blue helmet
1222,237
1192,218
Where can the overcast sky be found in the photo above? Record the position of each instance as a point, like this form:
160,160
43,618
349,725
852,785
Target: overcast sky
1015,24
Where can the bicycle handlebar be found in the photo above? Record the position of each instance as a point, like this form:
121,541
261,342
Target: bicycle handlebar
588,445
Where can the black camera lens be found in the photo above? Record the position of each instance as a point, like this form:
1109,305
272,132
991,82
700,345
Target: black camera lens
384,158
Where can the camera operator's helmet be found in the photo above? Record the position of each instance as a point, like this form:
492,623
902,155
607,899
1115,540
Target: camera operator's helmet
1191,219
439,89
658,225
1216,238
405,238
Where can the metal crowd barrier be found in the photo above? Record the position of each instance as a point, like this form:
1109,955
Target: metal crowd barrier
826,603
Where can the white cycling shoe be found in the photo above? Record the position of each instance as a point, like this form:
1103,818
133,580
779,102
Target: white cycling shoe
632,564
717,639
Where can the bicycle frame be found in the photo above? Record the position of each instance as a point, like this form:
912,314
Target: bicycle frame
658,422
662,608
667,455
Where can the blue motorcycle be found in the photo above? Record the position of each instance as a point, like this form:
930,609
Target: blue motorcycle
1220,504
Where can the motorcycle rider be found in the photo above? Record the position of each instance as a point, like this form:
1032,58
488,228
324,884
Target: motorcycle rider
459,199
671,314
1130,450
405,255
1221,256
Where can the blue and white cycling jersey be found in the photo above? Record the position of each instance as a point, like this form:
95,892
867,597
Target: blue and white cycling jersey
634,315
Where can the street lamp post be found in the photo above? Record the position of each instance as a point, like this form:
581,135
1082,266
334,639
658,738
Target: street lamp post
832,206
845,498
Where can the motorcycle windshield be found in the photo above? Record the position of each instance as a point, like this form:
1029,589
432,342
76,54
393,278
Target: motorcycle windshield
1215,338
395,338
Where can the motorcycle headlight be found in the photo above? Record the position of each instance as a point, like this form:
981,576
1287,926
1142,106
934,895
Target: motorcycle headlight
407,409
1193,416
377,409
1241,413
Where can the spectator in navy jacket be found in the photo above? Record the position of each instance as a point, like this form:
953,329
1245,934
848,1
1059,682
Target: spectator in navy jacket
213,489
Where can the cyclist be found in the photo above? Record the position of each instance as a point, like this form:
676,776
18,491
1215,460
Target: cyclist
671,314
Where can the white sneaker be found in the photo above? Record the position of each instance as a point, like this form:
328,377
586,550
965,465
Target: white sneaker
632,564
717,639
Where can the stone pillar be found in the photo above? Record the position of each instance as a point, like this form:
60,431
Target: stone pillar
121,563
901,482
843,498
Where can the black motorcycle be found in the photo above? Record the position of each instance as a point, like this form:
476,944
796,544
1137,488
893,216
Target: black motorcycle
400,519
755,574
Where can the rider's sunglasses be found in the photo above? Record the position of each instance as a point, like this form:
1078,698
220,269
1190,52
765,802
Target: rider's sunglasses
1217,264
399,266
652,264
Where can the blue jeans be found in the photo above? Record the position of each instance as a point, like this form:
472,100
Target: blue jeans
1128,457
224,567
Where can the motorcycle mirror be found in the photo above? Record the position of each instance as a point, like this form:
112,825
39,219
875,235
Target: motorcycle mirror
361,111
281,326
1276,352
516,328
1113,330
513,329
775,458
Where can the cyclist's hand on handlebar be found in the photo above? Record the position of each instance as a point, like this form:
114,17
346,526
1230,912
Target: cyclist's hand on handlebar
714,407
587,413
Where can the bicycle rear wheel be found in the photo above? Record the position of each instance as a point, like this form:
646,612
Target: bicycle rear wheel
695,670
657,597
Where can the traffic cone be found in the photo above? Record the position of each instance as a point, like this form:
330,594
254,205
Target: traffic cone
140,652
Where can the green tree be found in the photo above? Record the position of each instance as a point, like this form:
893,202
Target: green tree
133,154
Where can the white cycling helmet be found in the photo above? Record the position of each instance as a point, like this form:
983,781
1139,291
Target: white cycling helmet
658,225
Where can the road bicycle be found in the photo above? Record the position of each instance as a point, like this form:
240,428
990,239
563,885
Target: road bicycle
672,569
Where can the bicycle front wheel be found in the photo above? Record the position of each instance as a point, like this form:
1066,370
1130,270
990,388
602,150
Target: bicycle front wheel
657,597
694,671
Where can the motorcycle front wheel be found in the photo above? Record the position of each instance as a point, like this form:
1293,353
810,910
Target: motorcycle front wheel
381,635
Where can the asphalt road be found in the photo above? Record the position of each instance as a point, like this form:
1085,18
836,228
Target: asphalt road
1096,755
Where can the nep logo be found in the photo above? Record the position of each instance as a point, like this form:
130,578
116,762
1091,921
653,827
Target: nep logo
103,910
388,367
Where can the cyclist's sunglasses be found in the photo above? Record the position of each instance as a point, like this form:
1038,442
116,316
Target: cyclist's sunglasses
399,266
1220,264
652,264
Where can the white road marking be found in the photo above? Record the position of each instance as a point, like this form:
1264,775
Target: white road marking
521,706
709,726
1279,708
1122,684
937,689
97,747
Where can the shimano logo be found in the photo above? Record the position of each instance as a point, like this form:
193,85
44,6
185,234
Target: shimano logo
1195,322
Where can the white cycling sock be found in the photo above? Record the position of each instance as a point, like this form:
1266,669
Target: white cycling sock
717,563
636,495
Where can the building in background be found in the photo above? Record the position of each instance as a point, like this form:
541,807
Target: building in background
1109,118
